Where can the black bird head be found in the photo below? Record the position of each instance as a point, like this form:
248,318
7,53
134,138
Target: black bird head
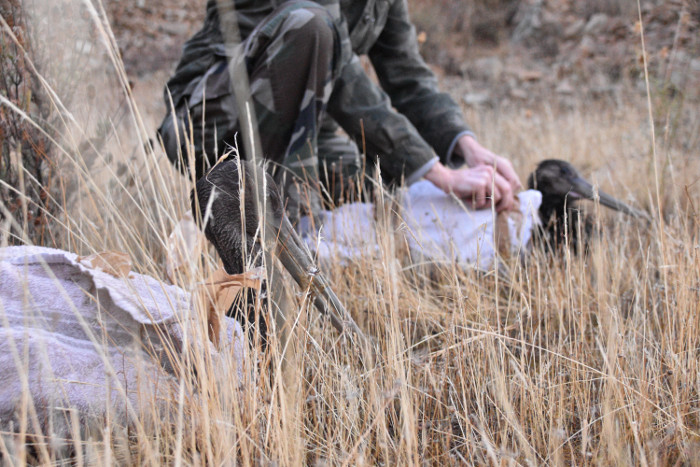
561,185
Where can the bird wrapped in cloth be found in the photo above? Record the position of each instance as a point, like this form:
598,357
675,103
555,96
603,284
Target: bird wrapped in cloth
439,228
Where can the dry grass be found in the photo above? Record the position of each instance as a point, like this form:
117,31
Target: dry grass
585,360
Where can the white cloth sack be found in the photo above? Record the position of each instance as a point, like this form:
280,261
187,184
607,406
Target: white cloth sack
438,228
53,310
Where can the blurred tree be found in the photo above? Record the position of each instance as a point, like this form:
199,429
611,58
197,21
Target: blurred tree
26,159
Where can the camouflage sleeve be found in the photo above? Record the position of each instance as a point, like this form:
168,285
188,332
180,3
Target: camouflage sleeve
364,110
412,86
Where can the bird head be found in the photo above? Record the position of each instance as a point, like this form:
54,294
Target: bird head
560,185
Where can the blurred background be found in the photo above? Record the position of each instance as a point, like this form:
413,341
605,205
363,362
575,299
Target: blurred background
498,50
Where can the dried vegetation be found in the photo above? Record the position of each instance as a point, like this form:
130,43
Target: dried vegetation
564,360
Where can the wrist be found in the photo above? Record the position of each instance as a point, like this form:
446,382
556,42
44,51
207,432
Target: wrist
440,176
465,148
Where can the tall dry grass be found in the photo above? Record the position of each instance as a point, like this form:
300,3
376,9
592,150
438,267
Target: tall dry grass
565,359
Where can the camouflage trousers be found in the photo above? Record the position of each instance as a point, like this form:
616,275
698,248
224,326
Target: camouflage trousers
292,60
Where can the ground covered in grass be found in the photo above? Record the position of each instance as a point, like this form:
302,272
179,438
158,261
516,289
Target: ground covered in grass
564,359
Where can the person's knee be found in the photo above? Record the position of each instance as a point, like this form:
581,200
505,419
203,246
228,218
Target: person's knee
311,28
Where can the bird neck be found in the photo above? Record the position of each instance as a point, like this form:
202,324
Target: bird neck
553,206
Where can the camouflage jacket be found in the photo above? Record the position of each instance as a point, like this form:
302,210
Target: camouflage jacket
402,122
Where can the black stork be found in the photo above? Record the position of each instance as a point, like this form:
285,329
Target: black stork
232,223
562,187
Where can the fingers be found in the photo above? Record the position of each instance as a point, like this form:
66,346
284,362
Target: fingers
491,178
479,196
480,187
483,186
477,155
505,168
493,189
507,199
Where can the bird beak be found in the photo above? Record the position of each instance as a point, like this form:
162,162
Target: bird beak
583,189
294,256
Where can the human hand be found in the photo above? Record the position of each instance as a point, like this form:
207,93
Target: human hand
475,155
478,186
